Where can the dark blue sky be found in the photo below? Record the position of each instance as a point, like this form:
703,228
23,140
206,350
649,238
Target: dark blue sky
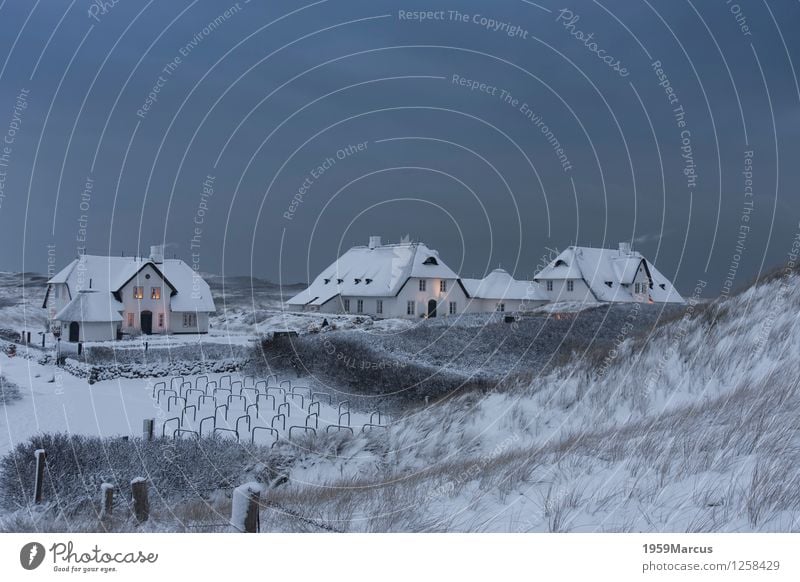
261,96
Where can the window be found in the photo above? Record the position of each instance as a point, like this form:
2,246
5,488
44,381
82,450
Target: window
453,308
570,286
160,320
357,281
155,293
130,320
411,308
443,286
347,306
360,306
430,261
501,307
422,284
379,306
549,285
138,292
327,281
189,319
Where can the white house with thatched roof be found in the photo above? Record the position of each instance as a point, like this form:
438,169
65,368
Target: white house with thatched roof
98,298
585,274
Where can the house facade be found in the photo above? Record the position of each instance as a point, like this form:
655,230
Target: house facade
585,274
499,291
98,298
405,280
409,280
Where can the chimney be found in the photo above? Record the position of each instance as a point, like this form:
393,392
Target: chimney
624,248
374,241
157,254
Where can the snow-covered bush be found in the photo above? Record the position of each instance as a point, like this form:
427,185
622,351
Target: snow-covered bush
9,392
77,467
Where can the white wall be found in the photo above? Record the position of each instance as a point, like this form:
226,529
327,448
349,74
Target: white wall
136,306
92,331
398,306
176,323
580,292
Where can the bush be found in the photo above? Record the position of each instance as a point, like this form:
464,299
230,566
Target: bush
9,392
352,360
177,470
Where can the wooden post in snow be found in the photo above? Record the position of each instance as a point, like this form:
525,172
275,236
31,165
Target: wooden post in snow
141,504
148,428
245,508
107,498
38,484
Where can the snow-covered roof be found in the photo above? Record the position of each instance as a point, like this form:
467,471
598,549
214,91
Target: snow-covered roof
374,272
499,284
109,274
609,273
91,305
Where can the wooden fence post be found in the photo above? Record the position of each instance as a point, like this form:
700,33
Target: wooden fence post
141,504
107,497
148,428
38,484
245,508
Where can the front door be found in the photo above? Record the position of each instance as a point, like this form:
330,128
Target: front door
432,308
147,322
74,331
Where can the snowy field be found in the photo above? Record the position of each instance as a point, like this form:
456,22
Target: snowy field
54,401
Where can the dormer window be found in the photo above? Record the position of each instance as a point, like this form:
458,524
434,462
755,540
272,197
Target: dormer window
369,281
609,284
327,281
560,263
663,286
430,261
357,281
339,281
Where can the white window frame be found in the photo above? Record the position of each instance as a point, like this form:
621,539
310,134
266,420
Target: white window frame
501,307
161,319
453,308
423,285
360,306
189,319
411,308
155,292
570,286
138,292
549,285
131,319
346,305
443,286
379,307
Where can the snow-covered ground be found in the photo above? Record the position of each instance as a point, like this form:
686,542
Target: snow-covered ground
54,401
692,426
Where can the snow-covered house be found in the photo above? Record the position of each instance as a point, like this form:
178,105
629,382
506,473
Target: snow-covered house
499,291
406,279
587,274
97,298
